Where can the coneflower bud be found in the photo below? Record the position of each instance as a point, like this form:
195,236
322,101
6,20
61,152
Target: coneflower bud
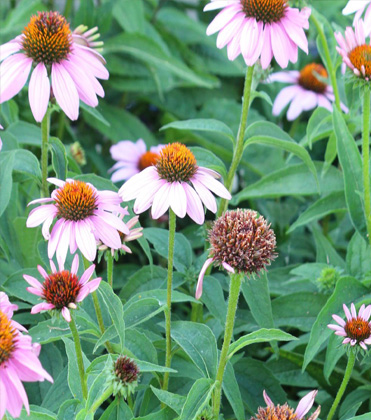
78,153
327,280
206,414
124,376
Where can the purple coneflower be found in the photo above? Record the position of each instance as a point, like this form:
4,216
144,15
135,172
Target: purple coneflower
358,7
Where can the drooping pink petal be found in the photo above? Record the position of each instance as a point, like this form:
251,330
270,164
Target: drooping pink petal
353,6
284,76
9,48
17,396
279,44
161,201
284,97
40,214
66,314
267,52
204,193
222,18
178,199
131,188
106,233
218,4
39,92
85,240
267,400
201,277
65,91
212,184
91,62
42,307
296,33
228,267
14,72
305,404
194,206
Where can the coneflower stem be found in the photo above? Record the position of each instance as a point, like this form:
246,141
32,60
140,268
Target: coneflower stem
366,158
172,226
80,361
238,148
109,268
347,374
98,311
234,292
45,129
330,67
106,394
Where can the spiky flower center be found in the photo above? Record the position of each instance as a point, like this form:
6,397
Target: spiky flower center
47,38
126,370
360,57
358,329
61,289
176,163
278,412
266,11
75,201
147,159
7,338
243,240
308,78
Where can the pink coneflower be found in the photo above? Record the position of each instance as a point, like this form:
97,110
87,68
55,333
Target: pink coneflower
357,328
285,412
132,158
19,361
305,93
359,6
134,234
168,184
356,53
84,216
260,28
62,289
241,241
48,44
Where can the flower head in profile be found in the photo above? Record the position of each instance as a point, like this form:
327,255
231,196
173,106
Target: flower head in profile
355,51
175,181
358,7
19,362
132,158
306,91
285,412
84,217
356,330
88,37
59,65
62,290
123,376
241,241
260,29
134,234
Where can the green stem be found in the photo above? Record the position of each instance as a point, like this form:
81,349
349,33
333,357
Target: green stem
238,149
45,129
366,158
109,268
130,402
330,67
98,311
80,362
106,394
172,226
61,125
348,372
234,292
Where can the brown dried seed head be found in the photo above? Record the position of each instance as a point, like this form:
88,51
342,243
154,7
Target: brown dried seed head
243,240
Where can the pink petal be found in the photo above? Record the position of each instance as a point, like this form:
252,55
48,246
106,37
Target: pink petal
87,274
14,72
75,264
39,92
40,214
42,307
33,282
296,33
106,233
112,221
131,188
66,314
212,184
89,287
305,404
279,44
219,4
146,196
353,310
201,277
284,77
194,206
339,320
178,199
91,61
230,31
16,393
267,52
284,97
228,267
7,49
207,198
353,6
347,313
63,243
267,400
85,240
222,18
65,91
161,201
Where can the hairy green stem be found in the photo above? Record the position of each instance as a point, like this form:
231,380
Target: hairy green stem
234,292
172,226
106,394
366,158
330,67
238,148
109,268
347,374
80,361
45,129
98,311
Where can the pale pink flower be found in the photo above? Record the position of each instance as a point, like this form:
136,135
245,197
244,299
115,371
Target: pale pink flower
84,216
177,182
62,289
357,328
355,51
260,29
132,158
19,361
305,92
134,234
358,7
62,67
285,411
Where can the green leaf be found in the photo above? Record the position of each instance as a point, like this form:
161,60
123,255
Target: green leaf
59,157
262,95
358,259
118,409
326,253
261,336
199,342
213,298
207,159
114,305
37,413
26,134
99,385
232,391
149,52
351,162
130,15
332,203
197,398
6,180
319,125
159,238
94,113
174,401
347,290
330,153
137,312
25,161
202,124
